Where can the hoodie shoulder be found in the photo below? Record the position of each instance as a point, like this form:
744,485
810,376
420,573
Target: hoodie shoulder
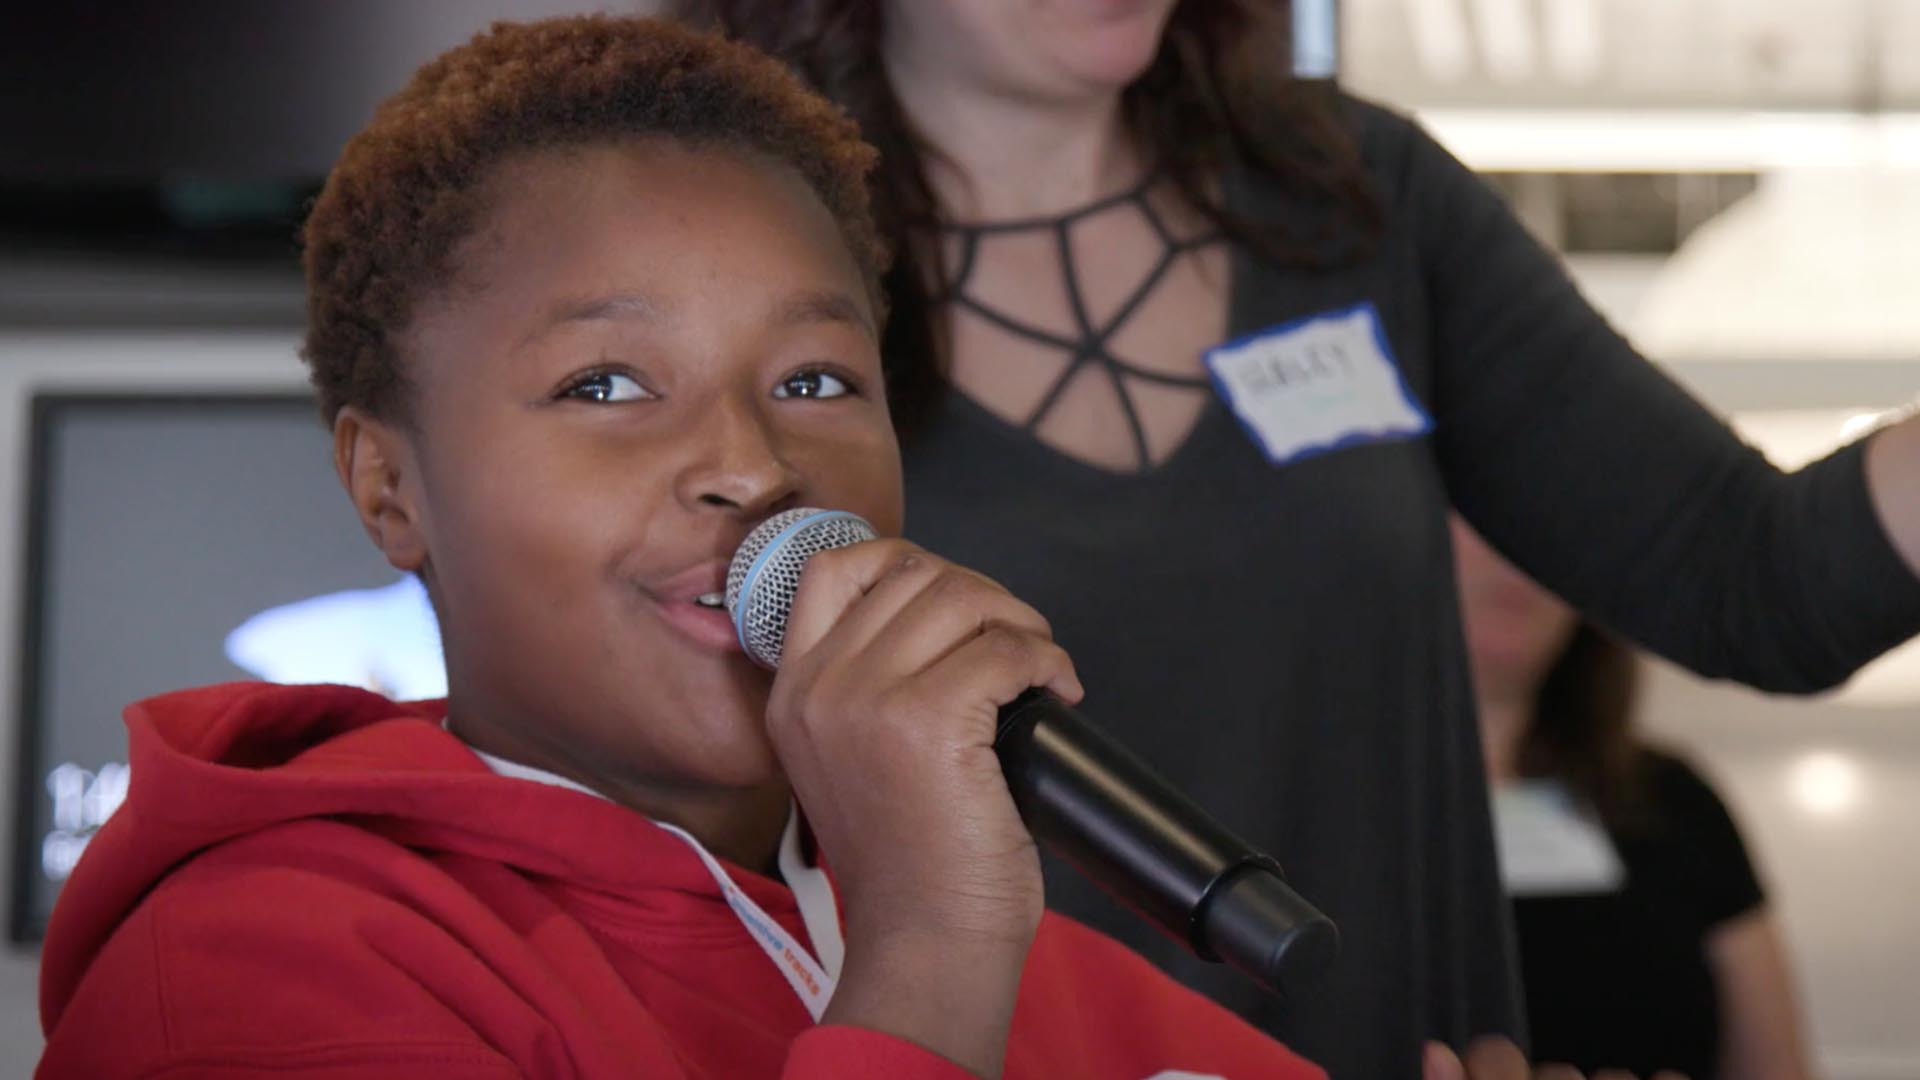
291,948
1079,986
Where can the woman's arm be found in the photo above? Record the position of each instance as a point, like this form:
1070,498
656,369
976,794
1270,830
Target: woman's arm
1607,482
1893,475
1760,1035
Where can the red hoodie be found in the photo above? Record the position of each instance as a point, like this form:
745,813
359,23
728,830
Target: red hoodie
317,882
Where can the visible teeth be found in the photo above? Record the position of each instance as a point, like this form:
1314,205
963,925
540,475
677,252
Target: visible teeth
712,599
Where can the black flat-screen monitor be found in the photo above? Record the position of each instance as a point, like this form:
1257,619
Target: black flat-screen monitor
174,541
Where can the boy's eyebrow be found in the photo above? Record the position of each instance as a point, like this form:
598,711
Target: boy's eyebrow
613,306
825,305
610,306
808,306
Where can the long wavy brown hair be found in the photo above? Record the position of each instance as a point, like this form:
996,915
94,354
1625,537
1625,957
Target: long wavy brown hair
1218,92
1582,732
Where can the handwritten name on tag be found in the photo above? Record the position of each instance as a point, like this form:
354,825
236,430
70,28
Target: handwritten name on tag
1316,385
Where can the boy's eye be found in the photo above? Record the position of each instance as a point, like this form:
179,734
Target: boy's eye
607,387
812,384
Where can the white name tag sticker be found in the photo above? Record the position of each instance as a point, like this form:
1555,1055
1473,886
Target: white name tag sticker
1550,845
1319,384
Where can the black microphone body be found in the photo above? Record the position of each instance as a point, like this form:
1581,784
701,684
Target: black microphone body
1081,793
1103,810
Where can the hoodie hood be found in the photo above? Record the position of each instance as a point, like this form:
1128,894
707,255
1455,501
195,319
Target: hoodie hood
221,762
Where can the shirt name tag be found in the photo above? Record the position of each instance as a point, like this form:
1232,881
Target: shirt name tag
1550,845
1325,382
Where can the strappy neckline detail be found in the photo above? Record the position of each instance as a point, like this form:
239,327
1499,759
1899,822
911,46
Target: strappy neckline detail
1091,346
1135,192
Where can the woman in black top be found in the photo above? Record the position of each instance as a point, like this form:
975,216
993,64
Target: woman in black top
1087,200
1645,939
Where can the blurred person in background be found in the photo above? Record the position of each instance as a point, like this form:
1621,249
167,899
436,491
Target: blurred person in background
1645,938
1194,356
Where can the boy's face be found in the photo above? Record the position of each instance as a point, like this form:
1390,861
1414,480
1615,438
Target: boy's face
647,349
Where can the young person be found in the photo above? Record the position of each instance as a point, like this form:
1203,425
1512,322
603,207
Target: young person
1247,555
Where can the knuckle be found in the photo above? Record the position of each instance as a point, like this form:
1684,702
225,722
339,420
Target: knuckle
1056,657
994,604
953,585
1008,644
989,580
833,562
896,559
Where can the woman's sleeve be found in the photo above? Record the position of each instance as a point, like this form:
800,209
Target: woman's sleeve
1601,477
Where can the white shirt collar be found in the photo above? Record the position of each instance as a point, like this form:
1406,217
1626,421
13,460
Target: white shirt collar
502,767
813,979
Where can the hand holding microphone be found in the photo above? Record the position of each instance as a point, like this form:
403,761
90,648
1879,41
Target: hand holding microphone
883,716
938,665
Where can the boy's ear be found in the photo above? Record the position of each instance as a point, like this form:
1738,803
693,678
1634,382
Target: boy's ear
378,468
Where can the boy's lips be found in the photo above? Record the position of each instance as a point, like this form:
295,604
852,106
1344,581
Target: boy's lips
679,600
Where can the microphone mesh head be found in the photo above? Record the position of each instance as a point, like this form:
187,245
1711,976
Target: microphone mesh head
765,572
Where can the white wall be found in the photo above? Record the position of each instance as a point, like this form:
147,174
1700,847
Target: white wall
1826,790
1781,54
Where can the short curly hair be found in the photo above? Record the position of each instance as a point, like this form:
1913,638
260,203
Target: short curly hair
409,188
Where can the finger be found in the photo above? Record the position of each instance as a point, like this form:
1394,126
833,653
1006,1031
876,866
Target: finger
992,669
952,609
1438,1062
1494,1057
848,596
834,582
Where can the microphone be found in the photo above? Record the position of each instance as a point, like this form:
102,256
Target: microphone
1083,795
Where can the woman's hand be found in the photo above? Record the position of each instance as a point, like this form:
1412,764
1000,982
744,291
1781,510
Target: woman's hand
883,717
